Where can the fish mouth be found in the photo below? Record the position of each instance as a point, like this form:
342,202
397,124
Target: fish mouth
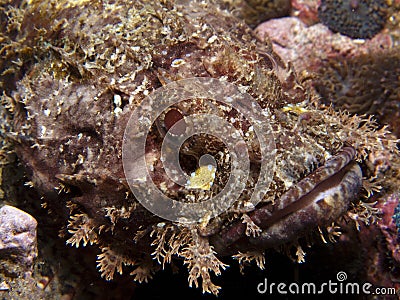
317,200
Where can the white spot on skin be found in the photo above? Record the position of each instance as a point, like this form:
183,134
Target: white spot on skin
89,154
46,112
163,187
117,111
117,100
42,130
161,225
81,159
248,206
177,62
212,39
118,103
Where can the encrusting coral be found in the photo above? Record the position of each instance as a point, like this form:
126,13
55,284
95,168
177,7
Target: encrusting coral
354,18
82,68
365,84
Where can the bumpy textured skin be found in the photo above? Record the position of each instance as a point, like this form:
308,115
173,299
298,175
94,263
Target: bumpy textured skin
85,65
354,18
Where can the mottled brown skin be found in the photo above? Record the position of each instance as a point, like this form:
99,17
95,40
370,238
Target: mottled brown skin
99,180
90,66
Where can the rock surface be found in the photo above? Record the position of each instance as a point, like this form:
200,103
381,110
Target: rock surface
308,46
17,236
18,250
